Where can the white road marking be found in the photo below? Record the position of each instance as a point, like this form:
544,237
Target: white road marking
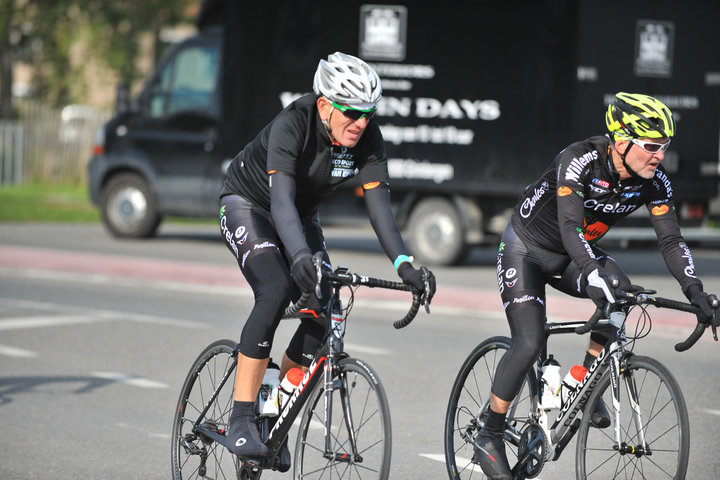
355,348
19,323
67,315
471,468
9,351
711,412
129,379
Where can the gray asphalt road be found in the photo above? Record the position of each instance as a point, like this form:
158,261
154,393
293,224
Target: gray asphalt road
91,363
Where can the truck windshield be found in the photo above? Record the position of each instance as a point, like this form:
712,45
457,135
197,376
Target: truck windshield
187,83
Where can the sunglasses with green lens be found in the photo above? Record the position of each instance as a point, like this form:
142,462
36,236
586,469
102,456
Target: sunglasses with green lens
355,113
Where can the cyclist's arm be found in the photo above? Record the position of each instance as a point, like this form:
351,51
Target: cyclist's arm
376,189
571,214
377,201
284,146
285,214
672,245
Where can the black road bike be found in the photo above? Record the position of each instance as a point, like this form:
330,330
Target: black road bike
344,431
649,435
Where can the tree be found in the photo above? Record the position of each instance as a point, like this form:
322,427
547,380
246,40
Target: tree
7,9
43,32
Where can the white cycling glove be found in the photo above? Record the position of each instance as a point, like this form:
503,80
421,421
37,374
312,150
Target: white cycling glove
599,288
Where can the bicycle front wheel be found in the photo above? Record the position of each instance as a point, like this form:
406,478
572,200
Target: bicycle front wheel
468,405
661,416
195,456
358,440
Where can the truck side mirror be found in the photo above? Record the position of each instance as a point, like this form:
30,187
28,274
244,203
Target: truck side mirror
122,98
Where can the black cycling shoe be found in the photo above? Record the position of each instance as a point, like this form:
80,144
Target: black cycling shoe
600,418
284,459
490,455
243,438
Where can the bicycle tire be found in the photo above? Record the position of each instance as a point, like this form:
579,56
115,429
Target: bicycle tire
187,448
665,425
370,415
468,403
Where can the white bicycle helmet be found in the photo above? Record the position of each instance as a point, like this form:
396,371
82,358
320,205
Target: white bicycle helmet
347,80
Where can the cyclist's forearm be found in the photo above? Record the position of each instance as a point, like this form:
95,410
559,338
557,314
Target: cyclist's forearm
285,214
377,201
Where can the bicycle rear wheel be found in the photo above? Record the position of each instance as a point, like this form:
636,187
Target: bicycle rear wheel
665,426
360,416
196,456
467,408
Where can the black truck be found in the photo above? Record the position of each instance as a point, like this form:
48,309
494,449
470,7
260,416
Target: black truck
478,98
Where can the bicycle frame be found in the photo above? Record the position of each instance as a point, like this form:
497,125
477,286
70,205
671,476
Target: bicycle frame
325,359
567,422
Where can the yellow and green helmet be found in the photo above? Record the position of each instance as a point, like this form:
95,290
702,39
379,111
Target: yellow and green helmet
634,115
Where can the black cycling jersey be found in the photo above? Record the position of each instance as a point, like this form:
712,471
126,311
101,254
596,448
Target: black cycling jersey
296,142
580,197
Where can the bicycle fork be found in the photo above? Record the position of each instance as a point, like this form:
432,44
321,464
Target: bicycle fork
335,343
616,374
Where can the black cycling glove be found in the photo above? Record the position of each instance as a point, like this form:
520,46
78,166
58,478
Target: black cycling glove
303,271
702,300
413,277
599,288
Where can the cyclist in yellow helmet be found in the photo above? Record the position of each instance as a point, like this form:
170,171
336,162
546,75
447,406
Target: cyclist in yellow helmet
588,188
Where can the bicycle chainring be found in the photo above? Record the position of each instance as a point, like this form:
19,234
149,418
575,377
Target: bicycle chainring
532,449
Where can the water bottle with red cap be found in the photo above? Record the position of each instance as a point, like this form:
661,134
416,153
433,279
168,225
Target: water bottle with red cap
288,385
571,381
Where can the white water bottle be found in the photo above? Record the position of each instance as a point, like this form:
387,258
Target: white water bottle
268,396
288,385
551,384
571,381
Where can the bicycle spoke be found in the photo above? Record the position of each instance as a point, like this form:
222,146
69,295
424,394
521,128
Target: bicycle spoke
664,428
359,405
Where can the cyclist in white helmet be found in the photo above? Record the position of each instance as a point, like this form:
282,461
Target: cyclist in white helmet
269,219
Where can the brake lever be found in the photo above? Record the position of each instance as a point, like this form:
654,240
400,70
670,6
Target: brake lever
426,279
714,303
317,260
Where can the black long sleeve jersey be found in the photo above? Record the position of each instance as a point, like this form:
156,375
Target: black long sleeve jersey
580,197
296,142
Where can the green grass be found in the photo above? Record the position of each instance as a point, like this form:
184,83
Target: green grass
46,203
56,203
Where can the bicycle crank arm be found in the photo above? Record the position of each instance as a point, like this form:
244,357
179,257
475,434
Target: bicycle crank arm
343,457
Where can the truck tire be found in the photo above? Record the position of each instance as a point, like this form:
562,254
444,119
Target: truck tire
436,233
128,207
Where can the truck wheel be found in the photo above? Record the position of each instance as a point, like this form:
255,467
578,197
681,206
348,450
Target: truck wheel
436,233
128,208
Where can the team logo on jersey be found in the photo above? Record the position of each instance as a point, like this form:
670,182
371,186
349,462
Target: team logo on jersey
630,194
660,210
593,231
601,183
343,163
564,191
578,164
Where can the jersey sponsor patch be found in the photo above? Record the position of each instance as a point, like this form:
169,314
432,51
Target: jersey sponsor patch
660,210
564,191
601,183
594,229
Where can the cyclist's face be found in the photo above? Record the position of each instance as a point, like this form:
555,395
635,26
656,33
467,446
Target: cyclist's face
641,162
345,130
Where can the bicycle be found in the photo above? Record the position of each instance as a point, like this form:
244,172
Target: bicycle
650,432
352,441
